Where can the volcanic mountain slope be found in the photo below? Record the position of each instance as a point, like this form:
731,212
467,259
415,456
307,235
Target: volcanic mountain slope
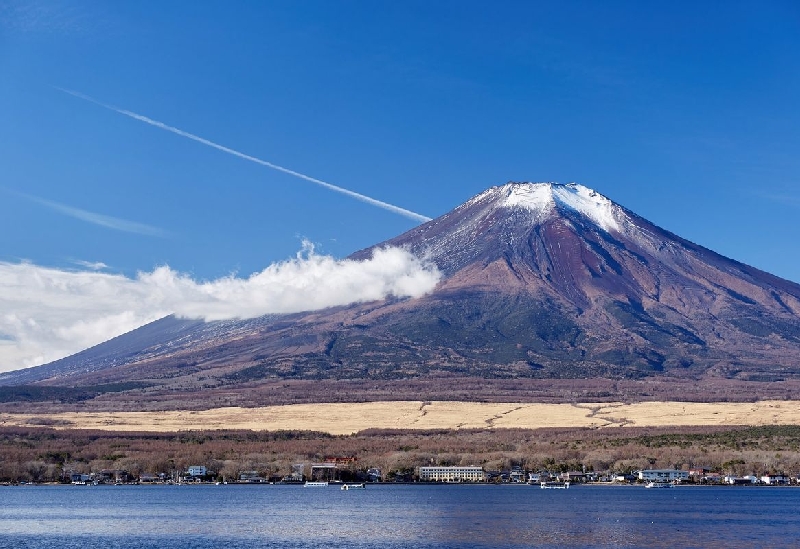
562,279
541,280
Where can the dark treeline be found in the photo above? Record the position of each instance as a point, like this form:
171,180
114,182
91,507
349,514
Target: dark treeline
201,394
41,454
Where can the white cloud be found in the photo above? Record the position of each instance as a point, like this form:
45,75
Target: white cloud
47,313
91,265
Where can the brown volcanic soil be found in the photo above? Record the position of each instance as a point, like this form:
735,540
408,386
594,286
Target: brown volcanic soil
344,419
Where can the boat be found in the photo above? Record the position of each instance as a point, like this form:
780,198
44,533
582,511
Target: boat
315,484
554,485
654,484
361,486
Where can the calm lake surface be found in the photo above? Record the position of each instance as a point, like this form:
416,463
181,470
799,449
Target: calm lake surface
394,516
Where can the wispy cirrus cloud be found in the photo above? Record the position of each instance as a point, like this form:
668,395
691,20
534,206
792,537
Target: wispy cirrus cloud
47,313
102,220
91,265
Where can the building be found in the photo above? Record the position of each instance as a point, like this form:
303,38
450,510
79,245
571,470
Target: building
749,479
711,478
117,476
775,479
326,472
197,471
451,474
573,476
251,477
80,478
700,471
516,475
662,475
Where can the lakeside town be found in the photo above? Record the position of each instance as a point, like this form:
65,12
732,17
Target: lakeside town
736,455
342,470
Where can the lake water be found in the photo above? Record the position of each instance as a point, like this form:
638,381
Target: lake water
395,516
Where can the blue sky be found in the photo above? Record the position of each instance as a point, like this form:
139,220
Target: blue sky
684,112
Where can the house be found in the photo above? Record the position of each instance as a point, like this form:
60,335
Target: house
492,476
80,478
573,476
700,471
541,476
298,473
711,478
774,479
117,476
750,479
516,475
700,474
251,477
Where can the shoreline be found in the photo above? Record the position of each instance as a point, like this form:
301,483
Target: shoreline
386,484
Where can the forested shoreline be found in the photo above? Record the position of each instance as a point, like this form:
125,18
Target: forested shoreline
41,454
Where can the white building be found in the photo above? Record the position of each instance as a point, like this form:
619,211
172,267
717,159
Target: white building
451,474
197,470
749,479
775,479
662,475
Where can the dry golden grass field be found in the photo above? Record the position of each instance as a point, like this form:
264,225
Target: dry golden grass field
348,418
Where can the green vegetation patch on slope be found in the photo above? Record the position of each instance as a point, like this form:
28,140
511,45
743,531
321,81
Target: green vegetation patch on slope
496,328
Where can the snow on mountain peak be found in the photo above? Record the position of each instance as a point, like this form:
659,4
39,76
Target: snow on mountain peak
542,198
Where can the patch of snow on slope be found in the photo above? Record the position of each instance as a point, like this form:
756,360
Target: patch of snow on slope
590,203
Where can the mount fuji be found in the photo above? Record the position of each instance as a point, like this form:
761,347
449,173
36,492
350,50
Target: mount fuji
541,281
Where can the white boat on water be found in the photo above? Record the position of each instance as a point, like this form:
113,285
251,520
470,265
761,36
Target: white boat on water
554,485
361,486
316,484
658,485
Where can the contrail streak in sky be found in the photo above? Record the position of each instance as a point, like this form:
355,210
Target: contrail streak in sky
358,196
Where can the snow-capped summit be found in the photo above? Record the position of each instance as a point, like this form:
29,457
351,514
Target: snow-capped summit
543,198
514,221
